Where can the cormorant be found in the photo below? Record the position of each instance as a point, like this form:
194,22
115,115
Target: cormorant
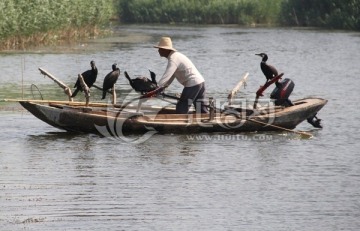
110,79
268,70
143,84
153,77
89,78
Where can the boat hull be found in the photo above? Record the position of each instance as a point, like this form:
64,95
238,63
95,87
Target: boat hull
113,121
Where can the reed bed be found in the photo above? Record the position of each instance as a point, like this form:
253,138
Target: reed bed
333,14
24,22
337,14
243,12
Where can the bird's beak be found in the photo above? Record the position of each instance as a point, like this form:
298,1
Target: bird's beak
258,54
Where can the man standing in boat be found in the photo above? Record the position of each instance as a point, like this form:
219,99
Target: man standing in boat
180,67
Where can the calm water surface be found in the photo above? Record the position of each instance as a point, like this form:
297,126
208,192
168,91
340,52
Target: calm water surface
53,180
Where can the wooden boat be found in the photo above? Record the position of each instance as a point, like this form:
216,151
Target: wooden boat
115,120
119,119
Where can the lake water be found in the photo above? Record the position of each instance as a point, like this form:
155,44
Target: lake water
54,180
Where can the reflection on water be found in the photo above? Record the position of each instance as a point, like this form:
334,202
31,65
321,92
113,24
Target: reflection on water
55,180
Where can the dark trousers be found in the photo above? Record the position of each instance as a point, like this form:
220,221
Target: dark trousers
192,95
283,102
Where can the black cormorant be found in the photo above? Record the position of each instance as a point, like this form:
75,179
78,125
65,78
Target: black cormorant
143,84
268,70
110,79
153,77
89,78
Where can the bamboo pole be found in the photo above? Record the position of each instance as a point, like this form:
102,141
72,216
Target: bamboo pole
308,135
237,87
75,103
67,90
85,88
99,88
113,99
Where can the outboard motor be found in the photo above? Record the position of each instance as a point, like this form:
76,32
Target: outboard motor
282,92
314,121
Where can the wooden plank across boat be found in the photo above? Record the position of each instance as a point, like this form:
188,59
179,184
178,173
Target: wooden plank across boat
98,118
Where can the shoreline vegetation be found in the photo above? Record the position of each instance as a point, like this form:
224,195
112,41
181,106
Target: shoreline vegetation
25,24
241,12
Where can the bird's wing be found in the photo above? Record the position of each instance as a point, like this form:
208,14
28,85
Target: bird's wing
110,79
89,77
273,70
86,73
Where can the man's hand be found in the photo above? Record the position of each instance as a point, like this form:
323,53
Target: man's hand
153,93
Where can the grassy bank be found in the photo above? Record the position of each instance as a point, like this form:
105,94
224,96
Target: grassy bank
24,23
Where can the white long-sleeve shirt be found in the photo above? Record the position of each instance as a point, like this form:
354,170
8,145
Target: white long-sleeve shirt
180,67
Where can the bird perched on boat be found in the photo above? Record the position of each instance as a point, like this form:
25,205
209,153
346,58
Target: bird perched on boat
89,77
110,79
268,70
143,84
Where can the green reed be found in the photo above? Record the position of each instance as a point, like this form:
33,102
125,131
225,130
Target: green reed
36,21
337,14
244,12
24,23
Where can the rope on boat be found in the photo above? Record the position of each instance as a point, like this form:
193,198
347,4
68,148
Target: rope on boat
32,92
308,135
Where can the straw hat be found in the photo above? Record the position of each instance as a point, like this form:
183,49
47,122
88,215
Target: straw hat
165,43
